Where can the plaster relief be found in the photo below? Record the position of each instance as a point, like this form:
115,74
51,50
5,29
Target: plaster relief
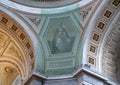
3,39
4,20
35,20
13,51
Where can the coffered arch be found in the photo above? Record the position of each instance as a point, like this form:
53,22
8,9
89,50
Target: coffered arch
110,51
100,29
96,32
30,32
16,44
8,73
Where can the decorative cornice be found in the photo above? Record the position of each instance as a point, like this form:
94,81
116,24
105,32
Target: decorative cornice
84,70
33,10
46,3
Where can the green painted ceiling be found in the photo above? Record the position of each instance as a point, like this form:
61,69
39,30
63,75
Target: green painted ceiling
61,38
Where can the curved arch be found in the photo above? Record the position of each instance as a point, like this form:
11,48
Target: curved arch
105,38
15,64
9,72
90,28
16,58
30,34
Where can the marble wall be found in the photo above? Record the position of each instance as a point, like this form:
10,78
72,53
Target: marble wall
61,82
35,82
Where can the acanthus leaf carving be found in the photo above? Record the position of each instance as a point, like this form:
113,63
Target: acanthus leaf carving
34,20
84,13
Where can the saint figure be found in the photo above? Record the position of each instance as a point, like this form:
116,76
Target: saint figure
61,43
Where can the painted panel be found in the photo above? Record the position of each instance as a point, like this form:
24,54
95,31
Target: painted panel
60,35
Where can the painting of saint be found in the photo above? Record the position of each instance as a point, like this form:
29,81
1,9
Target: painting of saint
62,42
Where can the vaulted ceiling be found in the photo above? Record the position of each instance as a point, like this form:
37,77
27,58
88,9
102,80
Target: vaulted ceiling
31,33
